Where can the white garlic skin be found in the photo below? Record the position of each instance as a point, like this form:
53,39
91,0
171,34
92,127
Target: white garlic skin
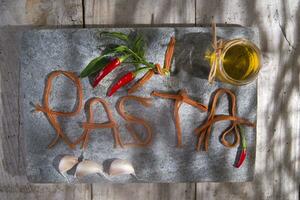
121,167
66,163
87,167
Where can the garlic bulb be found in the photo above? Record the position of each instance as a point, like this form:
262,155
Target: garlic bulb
66,163
87,167
121,167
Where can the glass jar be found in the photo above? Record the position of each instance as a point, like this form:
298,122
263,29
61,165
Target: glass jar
238,63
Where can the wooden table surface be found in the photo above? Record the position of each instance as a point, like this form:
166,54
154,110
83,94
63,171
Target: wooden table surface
278,133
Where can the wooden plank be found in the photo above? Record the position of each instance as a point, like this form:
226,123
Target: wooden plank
135,12
129,12
277,157
45,191
39,12
13,182
144,191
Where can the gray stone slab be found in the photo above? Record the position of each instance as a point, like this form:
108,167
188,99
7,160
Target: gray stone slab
44,51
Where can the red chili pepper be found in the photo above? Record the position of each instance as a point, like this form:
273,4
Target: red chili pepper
126,79
121,82
243,153
241,158
107,69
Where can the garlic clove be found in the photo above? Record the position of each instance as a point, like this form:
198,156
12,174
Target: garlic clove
87,167
121,167
66,163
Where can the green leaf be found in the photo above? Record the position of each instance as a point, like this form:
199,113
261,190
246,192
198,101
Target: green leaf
114,50
137,45
120,49
118,35
95,65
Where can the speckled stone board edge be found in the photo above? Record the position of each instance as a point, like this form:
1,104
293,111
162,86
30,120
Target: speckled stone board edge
44,51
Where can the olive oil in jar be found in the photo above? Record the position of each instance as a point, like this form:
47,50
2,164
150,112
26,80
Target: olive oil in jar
240,61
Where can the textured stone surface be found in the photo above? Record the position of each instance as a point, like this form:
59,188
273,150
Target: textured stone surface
71,49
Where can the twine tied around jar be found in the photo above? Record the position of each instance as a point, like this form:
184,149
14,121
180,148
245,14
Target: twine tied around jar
217,46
